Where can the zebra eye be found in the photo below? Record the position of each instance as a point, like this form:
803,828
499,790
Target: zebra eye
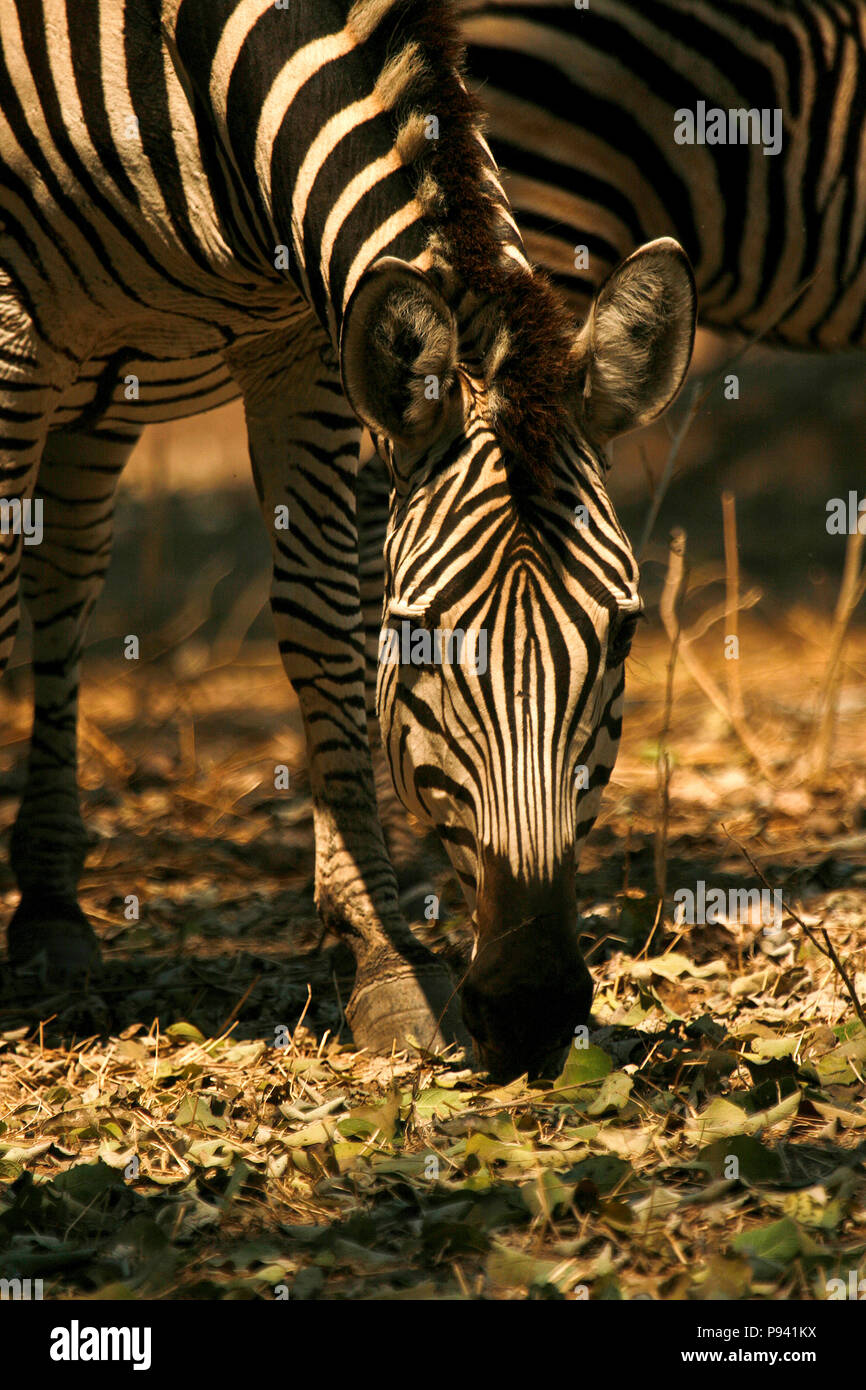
622,631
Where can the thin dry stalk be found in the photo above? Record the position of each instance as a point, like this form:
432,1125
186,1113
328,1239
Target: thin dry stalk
732,602
716,614
668,470
700,392
671,608
239,1005
828,949
851,591
700,676
294,1047
111,752
155,503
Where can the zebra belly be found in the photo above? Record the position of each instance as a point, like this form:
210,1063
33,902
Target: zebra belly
125,388
167,367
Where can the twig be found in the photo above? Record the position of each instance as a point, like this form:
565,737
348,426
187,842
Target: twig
336,989
714,615
671,606
732,602
827,949
715,377
700,391
667,472
293,1048
105,746
239,1005
703,678
850,593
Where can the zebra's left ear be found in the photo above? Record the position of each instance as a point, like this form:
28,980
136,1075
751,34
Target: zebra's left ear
637,341
398,351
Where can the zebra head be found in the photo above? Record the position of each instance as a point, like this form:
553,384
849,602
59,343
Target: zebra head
511,598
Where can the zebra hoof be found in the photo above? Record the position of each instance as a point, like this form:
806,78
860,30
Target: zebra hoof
53,936
407,1010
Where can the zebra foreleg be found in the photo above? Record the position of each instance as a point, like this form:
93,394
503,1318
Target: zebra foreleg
62,578
304,451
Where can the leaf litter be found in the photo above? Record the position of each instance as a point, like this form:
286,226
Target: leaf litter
196,1123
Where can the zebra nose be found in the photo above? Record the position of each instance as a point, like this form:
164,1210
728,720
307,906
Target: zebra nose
527,988
523,1022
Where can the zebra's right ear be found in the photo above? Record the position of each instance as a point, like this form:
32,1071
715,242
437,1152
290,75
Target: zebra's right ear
636,344
398,351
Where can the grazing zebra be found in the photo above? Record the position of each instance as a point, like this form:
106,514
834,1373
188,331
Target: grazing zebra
585,110
295,202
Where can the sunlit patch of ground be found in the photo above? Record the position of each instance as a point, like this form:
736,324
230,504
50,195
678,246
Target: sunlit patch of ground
172,1132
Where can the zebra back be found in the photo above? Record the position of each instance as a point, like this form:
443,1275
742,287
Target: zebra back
602,118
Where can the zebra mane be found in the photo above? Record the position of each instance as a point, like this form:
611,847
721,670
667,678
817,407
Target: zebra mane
523,332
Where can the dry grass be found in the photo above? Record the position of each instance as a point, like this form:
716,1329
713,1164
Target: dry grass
156,1143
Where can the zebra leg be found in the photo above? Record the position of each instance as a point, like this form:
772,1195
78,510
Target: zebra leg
372,514
62,579
304,451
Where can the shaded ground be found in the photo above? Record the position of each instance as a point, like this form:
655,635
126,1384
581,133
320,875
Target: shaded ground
174,1131
197,1157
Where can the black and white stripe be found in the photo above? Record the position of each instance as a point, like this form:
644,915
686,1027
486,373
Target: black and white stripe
201,196
582,107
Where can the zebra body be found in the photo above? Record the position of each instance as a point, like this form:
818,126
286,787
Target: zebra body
622,180
216,195
585,107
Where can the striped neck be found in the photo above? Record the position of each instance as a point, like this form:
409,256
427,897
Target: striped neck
334,124
344,134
